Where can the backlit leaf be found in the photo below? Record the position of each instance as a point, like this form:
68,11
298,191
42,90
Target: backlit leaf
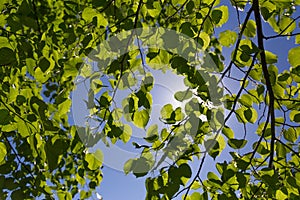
227,38
250,30
293,56
141,118
3,151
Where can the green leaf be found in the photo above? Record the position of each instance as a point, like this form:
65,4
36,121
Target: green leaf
4,42
140,167
205,38
293,56
17,194
227,38
3,151
178,114
195,196
88,14
250,30
128,166
23,129
290,135
140,118
242,179
267,8
297,39
236,143
220,15
148,82
64,107
127,132
273,74
152,133
196,185
177,2
44,64
4,117
228,132
127,81
166,111
215,147
246,100
183,95
212,176
243,56
190,6
94,160
256,72
180,64
52,157
271,57
281,195
185,171
287,25
239,113
20,100
239,4
251,115
186,29
7,56
280,150
101,20
295,116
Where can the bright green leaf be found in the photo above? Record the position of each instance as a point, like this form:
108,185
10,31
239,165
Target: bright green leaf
3,151
271,57
287,25
227,38
166,111
140,118
293,56
128,166
94,160
228,132
250,30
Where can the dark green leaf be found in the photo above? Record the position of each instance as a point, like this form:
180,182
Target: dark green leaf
236,143
7,56
4,117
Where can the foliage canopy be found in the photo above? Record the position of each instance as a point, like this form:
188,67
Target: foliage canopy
45,44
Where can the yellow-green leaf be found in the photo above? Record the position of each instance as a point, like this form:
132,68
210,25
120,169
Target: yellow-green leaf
3,151
293,56
141,118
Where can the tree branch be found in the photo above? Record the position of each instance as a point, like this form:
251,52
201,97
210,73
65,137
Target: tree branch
260,42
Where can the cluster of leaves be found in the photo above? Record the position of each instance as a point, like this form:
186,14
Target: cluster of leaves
40,152
44,43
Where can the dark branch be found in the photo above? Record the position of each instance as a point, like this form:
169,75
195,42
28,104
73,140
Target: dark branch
260,42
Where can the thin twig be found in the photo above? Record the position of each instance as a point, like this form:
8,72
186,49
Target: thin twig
237,43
